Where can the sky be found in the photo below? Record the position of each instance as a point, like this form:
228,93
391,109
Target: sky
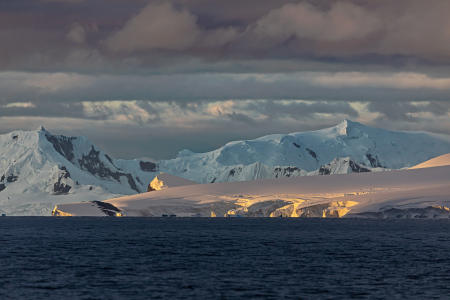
145,78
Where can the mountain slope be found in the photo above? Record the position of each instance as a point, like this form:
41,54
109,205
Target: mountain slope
304,152
38,168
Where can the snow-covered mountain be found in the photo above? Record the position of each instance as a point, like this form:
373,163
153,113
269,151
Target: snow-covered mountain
345,148
38,169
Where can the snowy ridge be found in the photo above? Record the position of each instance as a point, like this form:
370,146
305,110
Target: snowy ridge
305,153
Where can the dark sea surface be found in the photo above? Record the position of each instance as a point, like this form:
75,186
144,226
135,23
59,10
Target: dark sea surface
151,258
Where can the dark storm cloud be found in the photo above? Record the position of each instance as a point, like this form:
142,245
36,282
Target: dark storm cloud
44,35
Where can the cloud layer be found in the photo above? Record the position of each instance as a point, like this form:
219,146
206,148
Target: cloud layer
159,71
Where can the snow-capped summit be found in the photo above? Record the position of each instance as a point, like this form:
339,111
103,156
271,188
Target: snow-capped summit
309,151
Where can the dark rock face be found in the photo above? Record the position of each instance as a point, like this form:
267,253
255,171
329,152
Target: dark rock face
357,168
285,172
374,162
107,208
109,159
2,186
11,178
235,171
312,153
148,166
65,172
296,145
59,187
93,164
324,171
63,145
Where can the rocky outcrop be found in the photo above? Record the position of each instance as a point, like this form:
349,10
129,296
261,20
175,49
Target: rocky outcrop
148,166
374,161
94,165
280,172
163,181
7,179
341,166
108,209
61,187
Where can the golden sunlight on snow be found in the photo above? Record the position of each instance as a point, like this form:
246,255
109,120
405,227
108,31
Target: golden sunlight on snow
443,160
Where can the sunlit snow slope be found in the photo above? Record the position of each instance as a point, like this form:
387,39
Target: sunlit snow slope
442,160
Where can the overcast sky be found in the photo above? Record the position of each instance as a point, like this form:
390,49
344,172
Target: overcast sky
148,78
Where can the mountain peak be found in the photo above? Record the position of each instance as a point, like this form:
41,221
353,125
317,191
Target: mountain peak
346,126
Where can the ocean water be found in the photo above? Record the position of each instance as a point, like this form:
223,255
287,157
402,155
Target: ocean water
167,258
